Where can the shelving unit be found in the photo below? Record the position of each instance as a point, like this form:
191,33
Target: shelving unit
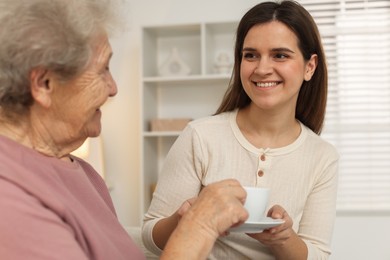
169,91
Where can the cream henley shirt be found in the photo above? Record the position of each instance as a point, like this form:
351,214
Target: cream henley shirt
302,178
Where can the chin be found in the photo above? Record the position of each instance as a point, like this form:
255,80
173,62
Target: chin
95,133
94,126
94,130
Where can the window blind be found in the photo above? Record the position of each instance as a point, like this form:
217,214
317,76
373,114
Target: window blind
356,38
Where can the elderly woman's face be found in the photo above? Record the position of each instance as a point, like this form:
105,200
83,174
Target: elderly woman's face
77,102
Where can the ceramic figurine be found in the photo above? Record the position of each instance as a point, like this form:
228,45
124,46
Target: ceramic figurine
223,63
174,65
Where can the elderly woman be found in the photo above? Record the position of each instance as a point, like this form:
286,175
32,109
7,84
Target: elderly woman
54,77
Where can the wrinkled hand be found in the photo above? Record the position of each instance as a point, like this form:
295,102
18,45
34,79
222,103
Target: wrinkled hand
218,207
186,206
278,235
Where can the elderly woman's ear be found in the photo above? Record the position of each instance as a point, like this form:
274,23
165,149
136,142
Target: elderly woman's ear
41,86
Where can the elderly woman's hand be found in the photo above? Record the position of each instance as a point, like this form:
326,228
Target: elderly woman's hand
185,206
218,207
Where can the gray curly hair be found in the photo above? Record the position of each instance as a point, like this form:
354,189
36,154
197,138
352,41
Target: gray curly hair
51,34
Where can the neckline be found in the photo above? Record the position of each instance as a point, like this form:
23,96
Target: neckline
270,151
35,154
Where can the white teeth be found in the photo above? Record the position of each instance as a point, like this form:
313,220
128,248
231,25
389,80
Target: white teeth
266,85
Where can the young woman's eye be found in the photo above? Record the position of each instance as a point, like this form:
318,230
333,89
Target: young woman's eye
249,56
281,56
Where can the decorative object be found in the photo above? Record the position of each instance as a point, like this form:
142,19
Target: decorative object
174,65
177,124
223,64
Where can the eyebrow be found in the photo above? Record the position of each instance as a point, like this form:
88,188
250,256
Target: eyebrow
108,60
281,49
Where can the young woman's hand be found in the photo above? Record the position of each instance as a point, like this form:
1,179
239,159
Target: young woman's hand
277,235
282,240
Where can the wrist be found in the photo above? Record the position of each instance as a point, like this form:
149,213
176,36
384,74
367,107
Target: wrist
293,248
188,234
196,226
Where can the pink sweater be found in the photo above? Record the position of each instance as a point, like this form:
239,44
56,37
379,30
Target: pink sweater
52,209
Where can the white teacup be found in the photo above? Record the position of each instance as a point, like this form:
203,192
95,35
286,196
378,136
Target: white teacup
256,203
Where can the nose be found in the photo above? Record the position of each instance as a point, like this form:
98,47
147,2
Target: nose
264,66
113,89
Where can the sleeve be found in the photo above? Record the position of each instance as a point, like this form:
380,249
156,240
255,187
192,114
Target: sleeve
320,208
179,180
28,230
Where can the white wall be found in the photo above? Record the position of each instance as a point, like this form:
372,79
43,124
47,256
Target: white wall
361,237
355,237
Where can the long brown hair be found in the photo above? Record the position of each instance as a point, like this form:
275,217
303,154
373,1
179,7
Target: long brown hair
311,103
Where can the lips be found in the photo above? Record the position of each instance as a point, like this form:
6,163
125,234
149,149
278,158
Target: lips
267,84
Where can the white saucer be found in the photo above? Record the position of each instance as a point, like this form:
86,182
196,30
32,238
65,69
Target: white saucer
257,227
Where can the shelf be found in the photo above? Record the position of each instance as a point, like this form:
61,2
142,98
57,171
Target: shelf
185,79
193,88
161,134
159,42
219,43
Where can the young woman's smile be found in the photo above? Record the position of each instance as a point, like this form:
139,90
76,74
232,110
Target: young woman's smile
272,67
267,85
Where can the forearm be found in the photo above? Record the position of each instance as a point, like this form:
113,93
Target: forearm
293,249
189,241
163,230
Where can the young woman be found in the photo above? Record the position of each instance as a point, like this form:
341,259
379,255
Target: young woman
266,134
